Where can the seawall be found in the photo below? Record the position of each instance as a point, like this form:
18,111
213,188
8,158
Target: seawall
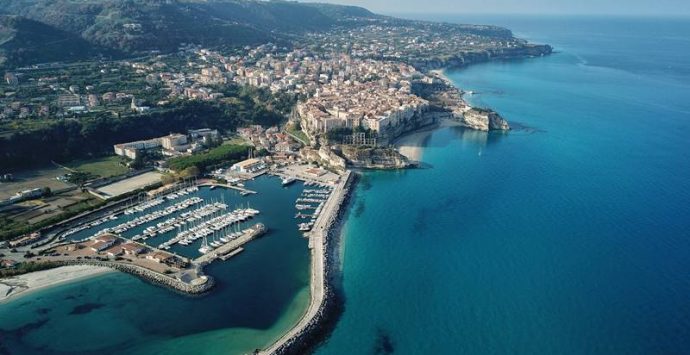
325,304
149,276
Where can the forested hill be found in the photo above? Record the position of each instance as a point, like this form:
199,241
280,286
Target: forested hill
131,26
27,41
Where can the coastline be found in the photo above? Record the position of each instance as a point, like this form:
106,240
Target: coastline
411,144
13,288
441,73
326,303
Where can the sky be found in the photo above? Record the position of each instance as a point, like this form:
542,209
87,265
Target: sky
588,7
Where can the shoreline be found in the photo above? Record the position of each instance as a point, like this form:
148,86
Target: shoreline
441,73
15,287
411,144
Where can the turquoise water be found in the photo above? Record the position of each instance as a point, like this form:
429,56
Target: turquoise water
568,235
260,293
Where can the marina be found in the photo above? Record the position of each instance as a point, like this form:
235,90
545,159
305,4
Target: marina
232,246
178,223
234,253
195,220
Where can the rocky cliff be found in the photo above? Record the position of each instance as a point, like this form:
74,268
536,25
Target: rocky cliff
325,156
412,124
482,120
445,97
374,157
467,58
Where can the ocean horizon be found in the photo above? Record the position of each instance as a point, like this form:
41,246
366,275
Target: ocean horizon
567,235
570,234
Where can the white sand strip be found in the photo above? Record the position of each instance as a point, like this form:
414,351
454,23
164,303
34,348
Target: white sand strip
11,287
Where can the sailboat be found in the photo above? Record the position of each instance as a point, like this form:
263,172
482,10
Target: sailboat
205,248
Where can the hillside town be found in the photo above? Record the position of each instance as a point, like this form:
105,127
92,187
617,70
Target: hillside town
338,99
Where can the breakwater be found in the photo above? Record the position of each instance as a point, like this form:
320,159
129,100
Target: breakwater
326,303
205,282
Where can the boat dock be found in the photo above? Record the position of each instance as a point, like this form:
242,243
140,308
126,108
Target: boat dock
231,254
229,248
243,191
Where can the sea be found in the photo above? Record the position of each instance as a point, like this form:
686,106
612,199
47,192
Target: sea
570,234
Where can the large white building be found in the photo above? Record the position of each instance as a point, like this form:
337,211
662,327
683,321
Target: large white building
133,149
176,142
248,166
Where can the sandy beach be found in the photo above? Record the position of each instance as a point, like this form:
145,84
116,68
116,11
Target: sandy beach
412,145
441,73
12,287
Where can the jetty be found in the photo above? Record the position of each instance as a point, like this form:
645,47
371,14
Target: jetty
242,190
226,250
189,283
318,240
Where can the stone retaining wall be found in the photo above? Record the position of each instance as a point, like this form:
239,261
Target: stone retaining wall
321,324
148,275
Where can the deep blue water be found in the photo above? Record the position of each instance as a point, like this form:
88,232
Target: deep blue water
567,235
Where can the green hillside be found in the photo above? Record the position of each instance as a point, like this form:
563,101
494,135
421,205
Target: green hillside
25,41
134,26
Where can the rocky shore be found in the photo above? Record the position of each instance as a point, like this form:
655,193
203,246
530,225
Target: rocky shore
153,277
467,58
449,99
374,157
314,328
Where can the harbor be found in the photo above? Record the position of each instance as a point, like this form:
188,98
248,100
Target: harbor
239,232
175,231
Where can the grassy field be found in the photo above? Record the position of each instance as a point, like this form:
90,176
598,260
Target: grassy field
35,178
235,140
103,167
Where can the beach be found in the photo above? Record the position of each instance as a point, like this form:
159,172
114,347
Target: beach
411,145
13,287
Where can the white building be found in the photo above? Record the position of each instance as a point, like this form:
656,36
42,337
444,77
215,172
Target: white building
248,166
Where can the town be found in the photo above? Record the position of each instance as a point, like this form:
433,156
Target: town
343,95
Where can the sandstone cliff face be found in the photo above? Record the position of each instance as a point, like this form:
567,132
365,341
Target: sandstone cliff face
324,156
418,121
482,120
374,158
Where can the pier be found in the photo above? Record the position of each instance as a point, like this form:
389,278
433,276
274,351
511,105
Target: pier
242,190
224,251
318,239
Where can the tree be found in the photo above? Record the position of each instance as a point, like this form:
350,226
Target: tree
138,162
191,171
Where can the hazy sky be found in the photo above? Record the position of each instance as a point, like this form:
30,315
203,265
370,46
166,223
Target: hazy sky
622,7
